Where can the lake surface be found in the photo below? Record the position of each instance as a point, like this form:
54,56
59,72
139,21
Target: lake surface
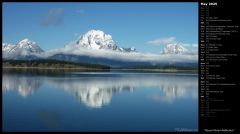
99,101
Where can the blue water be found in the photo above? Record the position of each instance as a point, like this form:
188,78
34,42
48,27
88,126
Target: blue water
100,102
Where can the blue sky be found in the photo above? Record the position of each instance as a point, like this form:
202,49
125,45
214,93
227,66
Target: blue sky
146,26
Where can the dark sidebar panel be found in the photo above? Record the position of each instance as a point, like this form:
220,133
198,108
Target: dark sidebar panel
219,48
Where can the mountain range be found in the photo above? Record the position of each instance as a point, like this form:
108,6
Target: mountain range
96,47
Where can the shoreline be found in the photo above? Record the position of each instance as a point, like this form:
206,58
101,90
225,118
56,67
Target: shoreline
108,70
51,68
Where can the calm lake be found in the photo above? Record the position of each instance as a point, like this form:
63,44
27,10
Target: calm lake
99,101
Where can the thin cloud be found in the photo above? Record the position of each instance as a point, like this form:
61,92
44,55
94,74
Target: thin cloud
186,45
76,34
55,16
80,11
134,56
194,45
162,41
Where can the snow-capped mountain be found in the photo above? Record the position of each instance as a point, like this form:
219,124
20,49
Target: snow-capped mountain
25,47
6,47
96,40
22,49
174,49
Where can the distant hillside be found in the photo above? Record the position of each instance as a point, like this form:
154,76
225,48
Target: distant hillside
44,63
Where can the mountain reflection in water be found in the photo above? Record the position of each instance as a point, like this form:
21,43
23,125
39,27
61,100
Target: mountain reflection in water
97,90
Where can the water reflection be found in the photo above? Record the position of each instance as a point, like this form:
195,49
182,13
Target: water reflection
25,85
97,90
